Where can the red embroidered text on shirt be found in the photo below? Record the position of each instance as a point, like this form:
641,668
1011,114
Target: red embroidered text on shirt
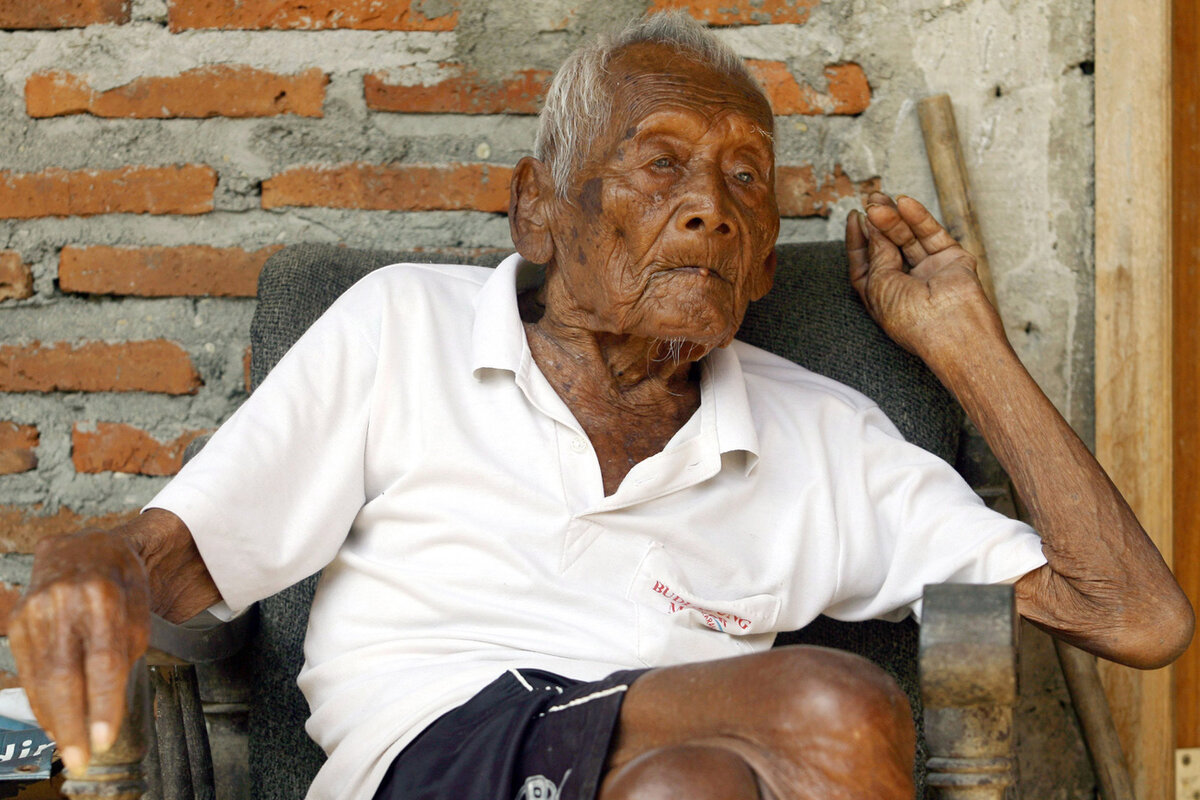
716,620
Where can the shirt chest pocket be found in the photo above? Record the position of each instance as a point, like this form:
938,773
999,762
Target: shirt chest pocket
676,624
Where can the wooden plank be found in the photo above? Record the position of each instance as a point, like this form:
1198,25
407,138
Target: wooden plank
1186,254
1133,329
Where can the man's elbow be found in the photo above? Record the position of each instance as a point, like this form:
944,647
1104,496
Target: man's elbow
1162,639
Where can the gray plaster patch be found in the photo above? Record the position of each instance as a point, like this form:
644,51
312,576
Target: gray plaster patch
15,568
6,660
114,55
497,38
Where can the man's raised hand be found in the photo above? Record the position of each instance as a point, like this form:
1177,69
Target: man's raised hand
916,281
75,635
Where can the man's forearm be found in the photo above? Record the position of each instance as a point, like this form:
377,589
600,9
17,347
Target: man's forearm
180,584
1106,587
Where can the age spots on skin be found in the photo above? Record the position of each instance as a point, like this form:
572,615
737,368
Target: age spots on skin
589,195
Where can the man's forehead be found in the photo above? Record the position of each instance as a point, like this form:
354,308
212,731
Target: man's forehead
648,75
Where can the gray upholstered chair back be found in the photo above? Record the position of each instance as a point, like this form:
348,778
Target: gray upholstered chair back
812,316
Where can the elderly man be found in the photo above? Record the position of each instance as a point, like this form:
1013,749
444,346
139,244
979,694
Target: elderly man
555,501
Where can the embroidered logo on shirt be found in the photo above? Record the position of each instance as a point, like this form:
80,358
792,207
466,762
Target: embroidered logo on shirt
539,787
717,620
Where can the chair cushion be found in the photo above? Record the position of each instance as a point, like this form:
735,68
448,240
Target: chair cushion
812,317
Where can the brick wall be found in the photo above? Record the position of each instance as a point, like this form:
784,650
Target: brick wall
173,177
157,151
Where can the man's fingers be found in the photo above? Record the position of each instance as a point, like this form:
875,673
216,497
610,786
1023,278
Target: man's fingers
52,673
73,652
882,252
106,665
856,250
887,218
880,199
929,232
19,641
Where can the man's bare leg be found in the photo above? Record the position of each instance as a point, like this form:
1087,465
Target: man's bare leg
792,723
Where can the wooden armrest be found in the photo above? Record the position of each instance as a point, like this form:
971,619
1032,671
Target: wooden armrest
201,640
968,667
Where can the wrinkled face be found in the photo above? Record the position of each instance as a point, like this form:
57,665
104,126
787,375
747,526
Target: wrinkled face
670,227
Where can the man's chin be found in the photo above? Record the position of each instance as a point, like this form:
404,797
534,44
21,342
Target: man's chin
694,343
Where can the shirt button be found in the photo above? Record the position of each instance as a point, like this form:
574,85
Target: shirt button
578,444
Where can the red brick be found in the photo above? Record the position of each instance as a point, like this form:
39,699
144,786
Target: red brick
148,366
16,279
312,15
55,192
22,527
847,92
114,447
44,14
218,91
800,194
458,91
16,448
162,271
742,12
398,187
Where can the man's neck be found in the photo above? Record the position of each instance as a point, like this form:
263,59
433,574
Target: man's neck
630,395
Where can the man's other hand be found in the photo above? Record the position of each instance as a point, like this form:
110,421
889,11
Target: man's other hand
75,635
916,281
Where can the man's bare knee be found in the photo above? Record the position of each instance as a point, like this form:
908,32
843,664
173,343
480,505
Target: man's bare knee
683,772
810,722
844,718
830,689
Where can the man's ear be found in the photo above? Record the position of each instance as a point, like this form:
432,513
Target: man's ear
529,202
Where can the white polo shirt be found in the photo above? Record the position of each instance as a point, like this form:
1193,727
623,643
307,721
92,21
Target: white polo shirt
410,447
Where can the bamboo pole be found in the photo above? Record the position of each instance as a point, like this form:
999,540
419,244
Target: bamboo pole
944,152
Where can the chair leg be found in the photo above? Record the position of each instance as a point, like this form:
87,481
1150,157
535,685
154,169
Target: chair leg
185,765
968,664
194,728
117,773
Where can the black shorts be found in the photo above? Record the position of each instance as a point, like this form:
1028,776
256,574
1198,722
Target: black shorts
528,735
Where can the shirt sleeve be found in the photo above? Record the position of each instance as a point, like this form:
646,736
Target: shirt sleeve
271,496
908,519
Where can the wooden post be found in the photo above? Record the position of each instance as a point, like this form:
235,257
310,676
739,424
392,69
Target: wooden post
1133,330
1186,216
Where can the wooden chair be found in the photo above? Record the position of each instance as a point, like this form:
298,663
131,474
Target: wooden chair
966,657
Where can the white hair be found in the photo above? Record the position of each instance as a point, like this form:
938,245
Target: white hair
578,108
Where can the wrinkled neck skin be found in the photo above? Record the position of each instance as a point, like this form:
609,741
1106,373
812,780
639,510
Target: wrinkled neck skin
630,393
619,365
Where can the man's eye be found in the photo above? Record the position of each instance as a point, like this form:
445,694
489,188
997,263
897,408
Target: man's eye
744,176
664,162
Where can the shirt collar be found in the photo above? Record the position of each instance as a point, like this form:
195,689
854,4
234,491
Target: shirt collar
725,399
498,342
498,338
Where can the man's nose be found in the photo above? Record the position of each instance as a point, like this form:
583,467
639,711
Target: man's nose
706,206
